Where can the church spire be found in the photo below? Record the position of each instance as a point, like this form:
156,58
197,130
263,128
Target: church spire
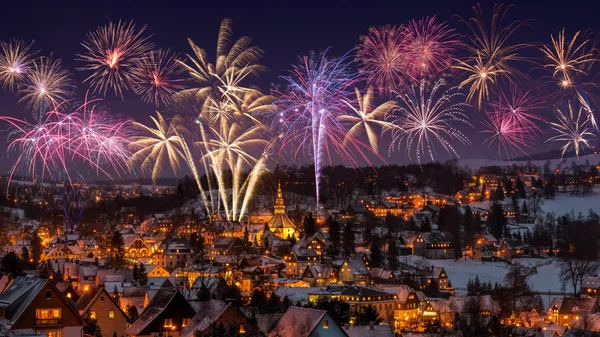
279,206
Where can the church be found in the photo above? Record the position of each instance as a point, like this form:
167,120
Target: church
280,224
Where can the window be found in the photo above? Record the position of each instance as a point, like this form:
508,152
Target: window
168,323
242,329
111,314
325,324
48,294
53,333
186,321
93,314
102,299
47,316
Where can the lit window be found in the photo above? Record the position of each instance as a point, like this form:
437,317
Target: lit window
242,329
111,314
93,314
186,321
168,323
325,324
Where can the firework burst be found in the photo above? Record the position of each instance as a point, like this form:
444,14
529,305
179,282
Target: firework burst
111,54
425,120
367,118
491,53
15,60
506,131
572,128
234,62
430,45
156,77
567,57
381,58
47,83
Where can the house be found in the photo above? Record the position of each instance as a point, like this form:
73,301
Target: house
214,313
156,271
173,253
354,271
280,224
438,277
299,259
406,308
563,311
590,287
509,249
485,252
32,305
135,247
305,322
434,245
319,275
100,305
167,311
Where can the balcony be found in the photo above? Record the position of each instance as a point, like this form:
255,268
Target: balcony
47,322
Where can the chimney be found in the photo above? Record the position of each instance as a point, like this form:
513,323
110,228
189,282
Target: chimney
371,325
432,268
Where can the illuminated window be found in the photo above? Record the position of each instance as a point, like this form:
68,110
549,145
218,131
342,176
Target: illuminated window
186,321
168,323
242,329
93,314
325,324
111,314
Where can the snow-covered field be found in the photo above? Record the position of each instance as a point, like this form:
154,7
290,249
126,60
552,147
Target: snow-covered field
565,203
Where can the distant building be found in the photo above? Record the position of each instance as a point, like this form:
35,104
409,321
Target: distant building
305,322
280,224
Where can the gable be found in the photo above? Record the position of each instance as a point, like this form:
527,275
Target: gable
68,317
103,302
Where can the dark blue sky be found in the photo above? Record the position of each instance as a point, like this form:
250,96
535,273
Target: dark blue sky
283,29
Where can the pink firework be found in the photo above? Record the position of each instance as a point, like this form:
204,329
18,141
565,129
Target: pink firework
520,106
510,136
429,47
381,58
59,142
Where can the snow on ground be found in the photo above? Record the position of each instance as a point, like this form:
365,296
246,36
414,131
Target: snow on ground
546,279
476,163
565,203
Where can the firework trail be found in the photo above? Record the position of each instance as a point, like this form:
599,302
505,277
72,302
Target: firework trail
504,129
426,119
572,128
310,110
15,60
111,54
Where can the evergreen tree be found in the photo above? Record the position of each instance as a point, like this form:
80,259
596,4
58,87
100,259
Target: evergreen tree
132,313
26,258
549,189
498,194
392,255
117,250
520,191
309,225
334,235
496,220
143,275
90,326
376,255
36,247
425,225
11,264
367,315
348,242
197,245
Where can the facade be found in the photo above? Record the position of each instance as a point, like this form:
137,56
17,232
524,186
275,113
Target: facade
280,224
173,253
32,305
305,322
100,305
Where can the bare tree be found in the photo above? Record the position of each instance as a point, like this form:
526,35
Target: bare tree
574,270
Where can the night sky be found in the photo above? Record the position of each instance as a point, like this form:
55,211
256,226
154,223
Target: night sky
282,29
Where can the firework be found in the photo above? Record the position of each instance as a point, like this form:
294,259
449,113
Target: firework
367,118
381,58
521,107
572,128
234,62
310,111
429,47
158,145
491,54
505,130
58,142
15,61
156,77
567,57
426,120
47,83
111,54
